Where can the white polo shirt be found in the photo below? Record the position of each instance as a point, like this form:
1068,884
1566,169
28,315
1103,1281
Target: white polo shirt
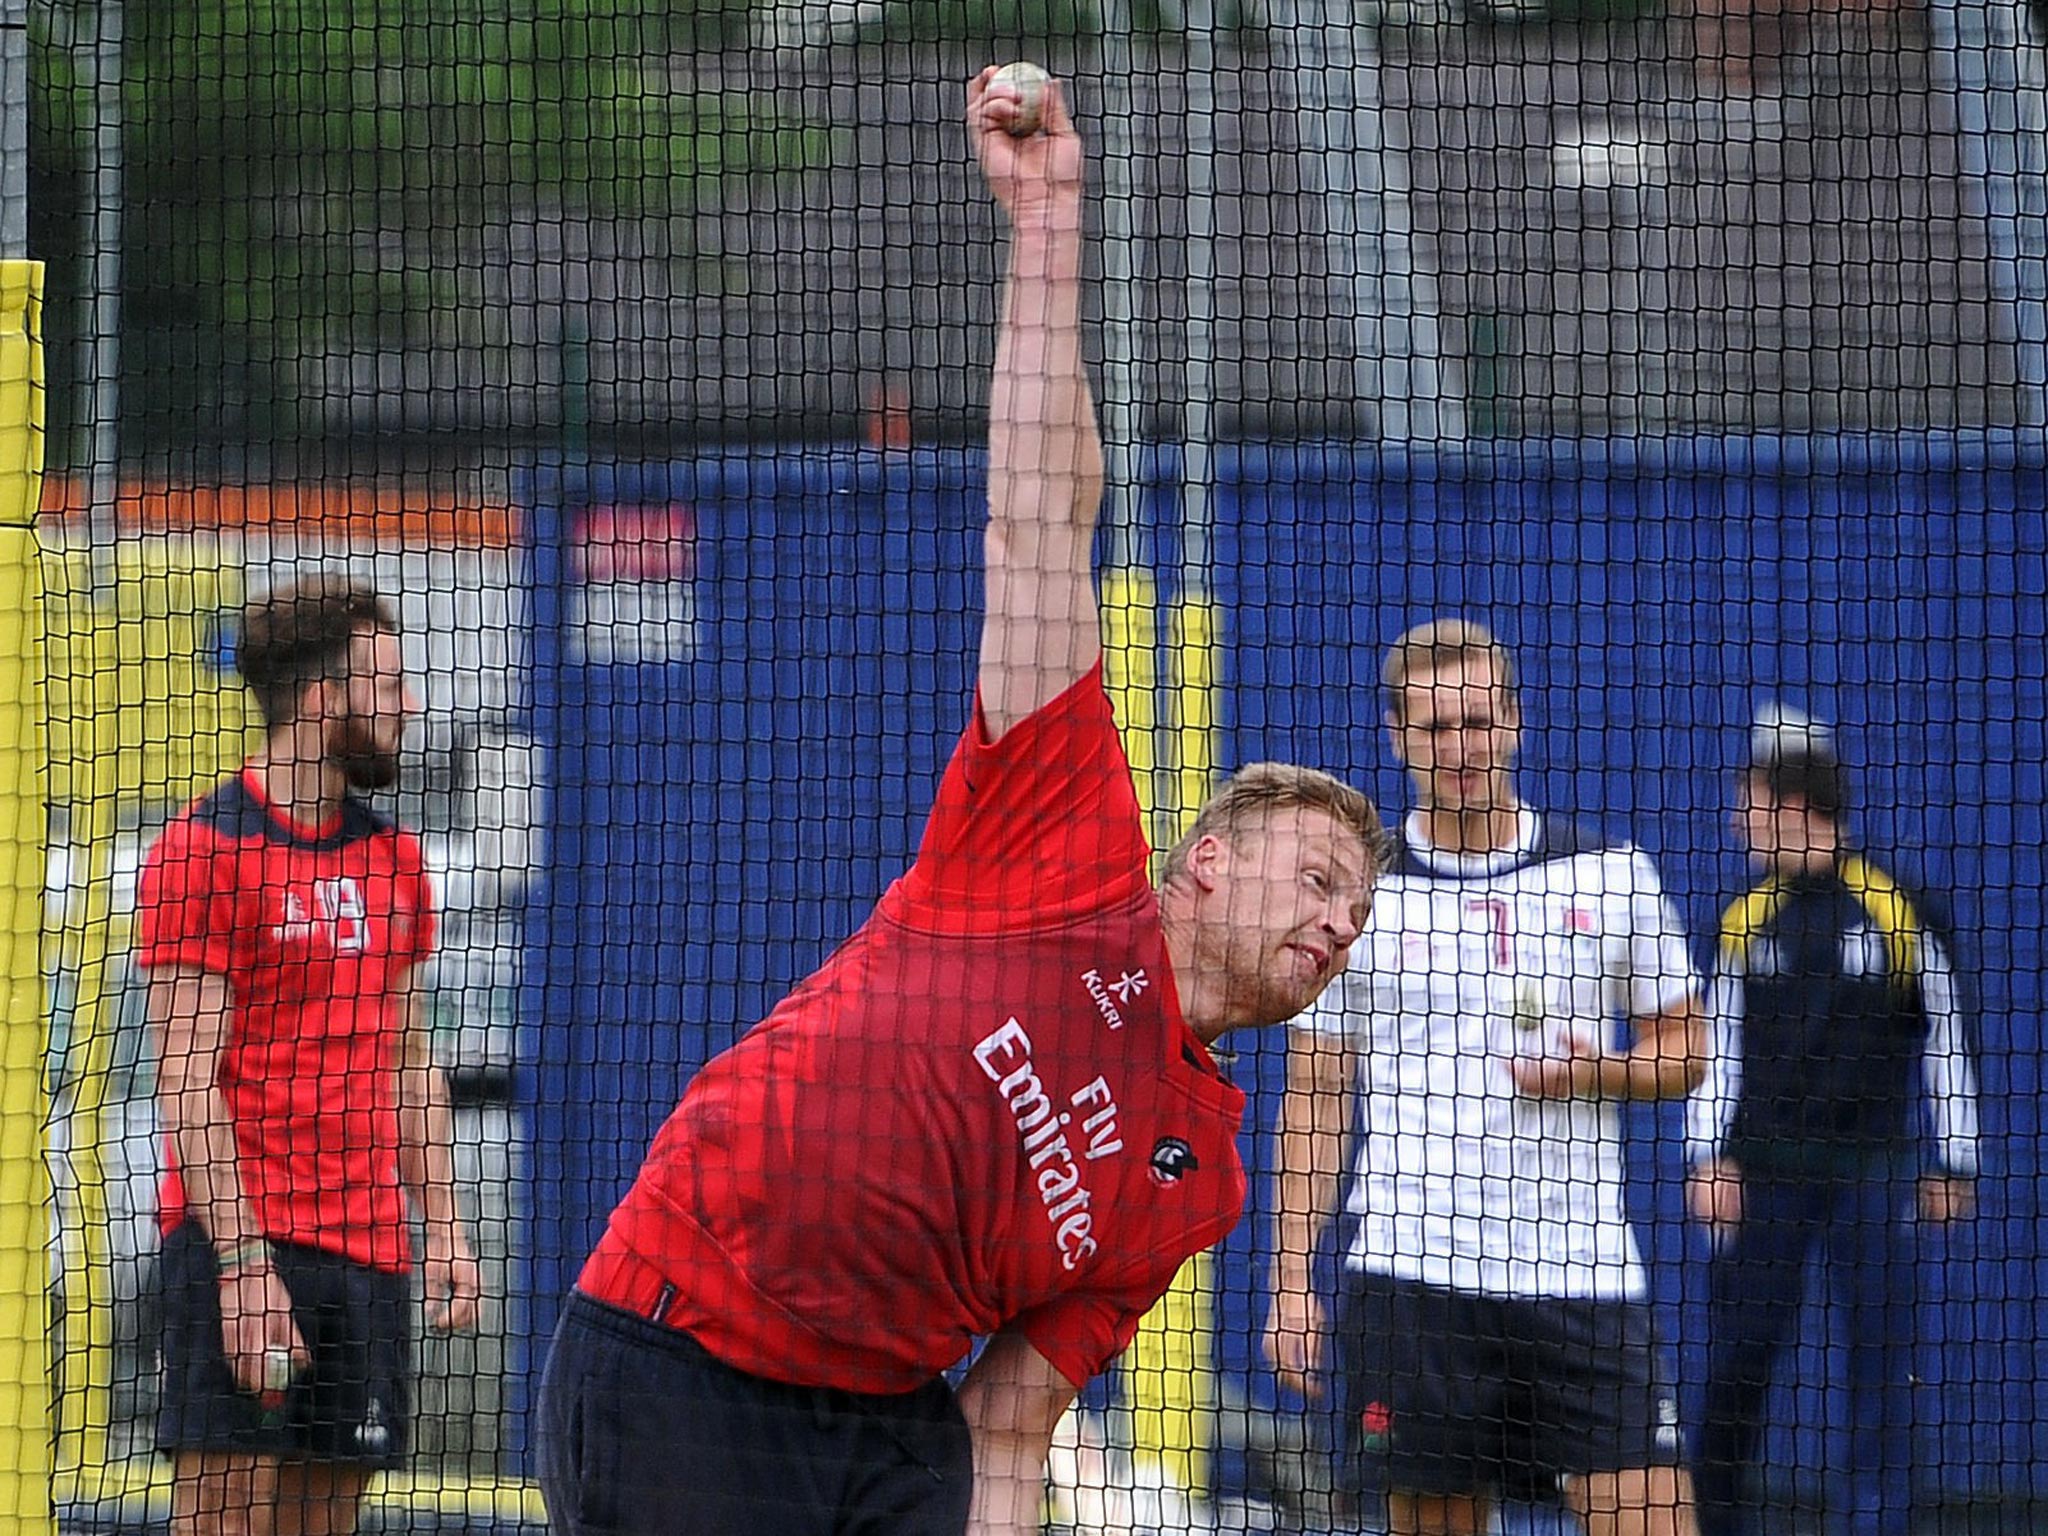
1467,964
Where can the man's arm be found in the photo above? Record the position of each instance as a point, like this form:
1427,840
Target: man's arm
1711,1108
1666,1061
1714,1180
1651,977
192,1011
1315,1115
1012,1400
1949,1079
426,1166
1041,630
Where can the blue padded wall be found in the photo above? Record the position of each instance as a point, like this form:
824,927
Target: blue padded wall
718,819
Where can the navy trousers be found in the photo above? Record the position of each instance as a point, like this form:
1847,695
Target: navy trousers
643,1433
1863,1229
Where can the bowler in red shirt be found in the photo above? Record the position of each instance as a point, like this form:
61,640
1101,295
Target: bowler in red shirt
992,1115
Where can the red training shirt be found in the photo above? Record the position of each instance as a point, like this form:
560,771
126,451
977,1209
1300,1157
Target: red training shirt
984,1110
314,931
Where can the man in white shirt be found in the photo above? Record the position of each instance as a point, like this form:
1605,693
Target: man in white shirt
1493,1326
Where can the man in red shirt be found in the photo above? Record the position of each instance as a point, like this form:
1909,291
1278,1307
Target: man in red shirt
281,923
992,1114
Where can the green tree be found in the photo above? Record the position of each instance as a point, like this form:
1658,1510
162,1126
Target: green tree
59,150
288,161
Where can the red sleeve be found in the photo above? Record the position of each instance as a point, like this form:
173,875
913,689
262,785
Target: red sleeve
188,903
1038,828
419,895
1082,1333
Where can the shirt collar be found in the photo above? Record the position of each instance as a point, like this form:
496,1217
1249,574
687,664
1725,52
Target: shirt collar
1528,831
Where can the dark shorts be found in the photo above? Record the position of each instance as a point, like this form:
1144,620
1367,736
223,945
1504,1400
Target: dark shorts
1453,1392
644,1433
353,1405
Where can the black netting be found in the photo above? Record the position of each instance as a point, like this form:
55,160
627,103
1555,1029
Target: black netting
492,533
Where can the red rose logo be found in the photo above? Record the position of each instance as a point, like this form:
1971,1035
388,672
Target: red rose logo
1376,1425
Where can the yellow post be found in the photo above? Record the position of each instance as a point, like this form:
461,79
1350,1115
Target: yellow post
138,723
85,1362
24,1178
78,667
1130,673
1170,1379
1193,657
1170,1368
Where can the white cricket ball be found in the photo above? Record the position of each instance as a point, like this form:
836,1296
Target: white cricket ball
277,1371
1030,82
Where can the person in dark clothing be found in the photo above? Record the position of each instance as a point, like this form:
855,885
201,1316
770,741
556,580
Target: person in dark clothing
1836,1030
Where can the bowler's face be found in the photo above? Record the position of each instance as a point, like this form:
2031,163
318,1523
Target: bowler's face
1296,892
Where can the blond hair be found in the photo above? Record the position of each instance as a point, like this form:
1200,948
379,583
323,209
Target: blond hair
1258,791
1429,647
